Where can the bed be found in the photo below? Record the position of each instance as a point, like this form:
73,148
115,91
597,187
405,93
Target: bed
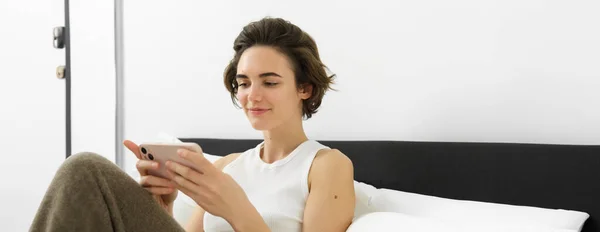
540,175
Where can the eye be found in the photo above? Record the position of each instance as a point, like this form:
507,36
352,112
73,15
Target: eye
270,83
243,85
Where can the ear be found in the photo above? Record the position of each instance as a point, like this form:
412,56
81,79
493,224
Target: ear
305,91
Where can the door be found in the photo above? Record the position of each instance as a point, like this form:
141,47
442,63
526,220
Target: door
32,116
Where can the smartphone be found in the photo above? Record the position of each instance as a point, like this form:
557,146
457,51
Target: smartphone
163,152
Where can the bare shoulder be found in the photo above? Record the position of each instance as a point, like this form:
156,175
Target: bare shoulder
330,164
225,160
330,158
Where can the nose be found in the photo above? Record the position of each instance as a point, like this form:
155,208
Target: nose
255,93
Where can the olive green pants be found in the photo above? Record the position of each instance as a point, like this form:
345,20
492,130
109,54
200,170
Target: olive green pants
91,193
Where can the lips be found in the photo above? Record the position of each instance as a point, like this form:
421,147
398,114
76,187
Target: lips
257,111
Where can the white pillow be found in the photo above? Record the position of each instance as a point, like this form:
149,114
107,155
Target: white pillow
391,221
363,193
474,213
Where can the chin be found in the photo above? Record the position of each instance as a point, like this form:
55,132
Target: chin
263,124
260,124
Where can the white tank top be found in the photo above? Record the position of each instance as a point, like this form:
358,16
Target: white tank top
278,190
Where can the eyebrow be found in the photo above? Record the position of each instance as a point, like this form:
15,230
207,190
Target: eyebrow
267,74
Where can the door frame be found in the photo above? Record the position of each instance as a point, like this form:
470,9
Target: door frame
119,86
120,89
67,38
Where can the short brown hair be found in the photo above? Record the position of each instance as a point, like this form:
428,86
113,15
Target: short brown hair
291,41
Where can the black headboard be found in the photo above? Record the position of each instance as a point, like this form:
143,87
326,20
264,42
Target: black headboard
542,175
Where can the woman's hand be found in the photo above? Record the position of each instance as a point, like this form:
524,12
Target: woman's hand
163,190
213,190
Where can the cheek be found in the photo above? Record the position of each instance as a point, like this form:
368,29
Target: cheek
289,100
242,97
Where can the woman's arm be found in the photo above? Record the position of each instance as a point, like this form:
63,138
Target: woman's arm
331,198
196,221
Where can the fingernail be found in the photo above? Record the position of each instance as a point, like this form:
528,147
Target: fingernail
155,165
180,152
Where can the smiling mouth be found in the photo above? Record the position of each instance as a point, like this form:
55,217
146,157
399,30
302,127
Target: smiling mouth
257,111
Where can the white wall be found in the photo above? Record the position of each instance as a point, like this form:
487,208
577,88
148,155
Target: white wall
32,108
93,84
495,71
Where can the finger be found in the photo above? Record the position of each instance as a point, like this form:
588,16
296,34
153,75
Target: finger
133,148
184,171
188,187
144,165
191,193
155,181
160,190
198,159
194,148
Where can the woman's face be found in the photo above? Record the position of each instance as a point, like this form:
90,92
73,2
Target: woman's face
267,88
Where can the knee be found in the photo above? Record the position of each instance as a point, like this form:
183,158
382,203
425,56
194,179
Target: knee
85,161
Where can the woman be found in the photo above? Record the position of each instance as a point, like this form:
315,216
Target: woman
286,183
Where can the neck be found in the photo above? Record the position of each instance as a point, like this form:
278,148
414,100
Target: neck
282,140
